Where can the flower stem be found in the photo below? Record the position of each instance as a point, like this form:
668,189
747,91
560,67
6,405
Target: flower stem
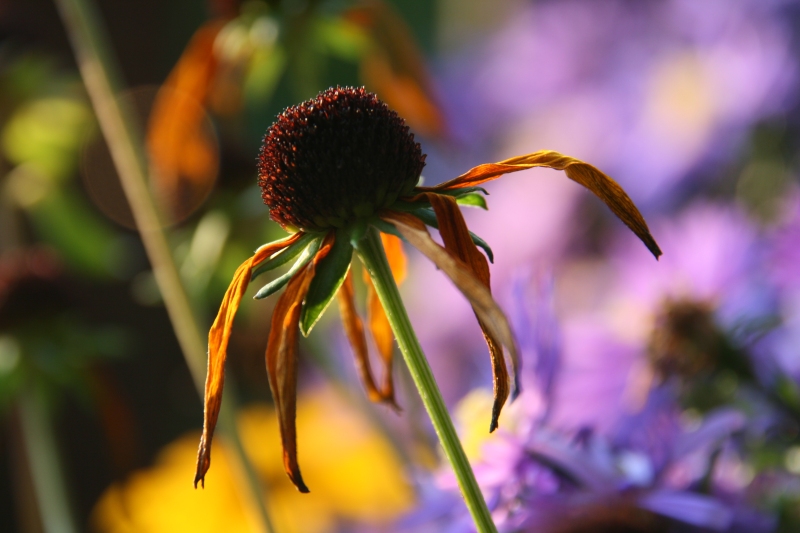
93,55
44,464
371,252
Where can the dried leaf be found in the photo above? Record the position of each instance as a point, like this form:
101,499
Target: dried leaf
590,177
218,337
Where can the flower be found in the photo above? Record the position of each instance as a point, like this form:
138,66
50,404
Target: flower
333,169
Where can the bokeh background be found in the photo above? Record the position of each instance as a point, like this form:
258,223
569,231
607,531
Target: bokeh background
657,396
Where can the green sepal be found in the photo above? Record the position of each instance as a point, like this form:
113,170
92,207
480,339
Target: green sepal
458,193
429,217
277,284
329,276
473,199
385,227
284,256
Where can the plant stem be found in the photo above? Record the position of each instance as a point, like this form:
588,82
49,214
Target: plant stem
44,464
92,52
371,252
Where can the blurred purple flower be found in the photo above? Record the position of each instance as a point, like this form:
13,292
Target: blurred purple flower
648,90
542,474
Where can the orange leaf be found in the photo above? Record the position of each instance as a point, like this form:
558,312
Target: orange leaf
218,337
458,242
590,177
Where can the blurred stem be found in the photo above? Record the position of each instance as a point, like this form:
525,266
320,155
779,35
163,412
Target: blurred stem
373,256
92,51
44,464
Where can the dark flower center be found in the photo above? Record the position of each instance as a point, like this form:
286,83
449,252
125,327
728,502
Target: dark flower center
686,340
335,158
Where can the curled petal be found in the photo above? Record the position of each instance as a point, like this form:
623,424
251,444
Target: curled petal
354,329
488,312
590,177
218,337
458,242
281,358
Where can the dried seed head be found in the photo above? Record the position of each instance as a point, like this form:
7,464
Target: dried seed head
337,157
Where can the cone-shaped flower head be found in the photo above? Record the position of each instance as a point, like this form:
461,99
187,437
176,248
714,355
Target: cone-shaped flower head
337,157
335,171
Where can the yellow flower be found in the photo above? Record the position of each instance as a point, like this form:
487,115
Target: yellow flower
157,499
331,169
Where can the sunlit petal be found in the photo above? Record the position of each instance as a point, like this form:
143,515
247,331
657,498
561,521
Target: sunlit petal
218,337
488,312
458,242
590,177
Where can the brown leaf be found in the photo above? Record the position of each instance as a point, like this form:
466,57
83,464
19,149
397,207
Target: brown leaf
488,312
590,177
458,242
218,337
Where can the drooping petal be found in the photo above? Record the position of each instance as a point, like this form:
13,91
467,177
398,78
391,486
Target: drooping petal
590,177
488,312
218,337
354,329
393,247
281,358
458,242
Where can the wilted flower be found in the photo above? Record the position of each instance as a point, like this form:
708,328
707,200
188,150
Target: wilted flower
333,170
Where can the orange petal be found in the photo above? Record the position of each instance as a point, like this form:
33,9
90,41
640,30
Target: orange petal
590,177
218,337
393,246
488,312
281,358
180,140
458,242
394,67
384,339
354,329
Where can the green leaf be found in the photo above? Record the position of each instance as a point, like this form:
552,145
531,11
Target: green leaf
284,256
275,285
473,199
429,218
330,275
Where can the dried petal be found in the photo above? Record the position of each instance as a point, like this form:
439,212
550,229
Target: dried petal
218,337
486,309
354,329
458,242
590,177
281,358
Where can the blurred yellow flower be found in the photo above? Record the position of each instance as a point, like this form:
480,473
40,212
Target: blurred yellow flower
159,499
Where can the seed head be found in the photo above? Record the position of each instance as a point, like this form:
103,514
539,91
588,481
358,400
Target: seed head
335,158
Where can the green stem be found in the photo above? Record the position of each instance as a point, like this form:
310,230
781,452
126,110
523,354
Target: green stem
92,52
370,250
44,464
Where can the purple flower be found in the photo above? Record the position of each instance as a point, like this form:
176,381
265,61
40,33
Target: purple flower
649,90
